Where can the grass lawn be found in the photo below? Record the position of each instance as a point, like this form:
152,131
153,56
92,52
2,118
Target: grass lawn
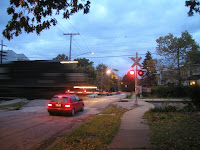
174,130
95,133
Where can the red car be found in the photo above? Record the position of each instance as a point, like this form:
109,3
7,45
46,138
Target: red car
66,104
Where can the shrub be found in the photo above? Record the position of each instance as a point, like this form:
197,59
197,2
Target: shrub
192,92
194,95
164,109
169,91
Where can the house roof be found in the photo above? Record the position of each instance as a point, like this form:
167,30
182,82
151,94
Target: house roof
194,77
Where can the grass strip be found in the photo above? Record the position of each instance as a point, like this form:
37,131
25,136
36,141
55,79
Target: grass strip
174,130
95,133
15,105
129,96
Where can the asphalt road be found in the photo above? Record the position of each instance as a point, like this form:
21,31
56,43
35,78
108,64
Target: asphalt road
33,128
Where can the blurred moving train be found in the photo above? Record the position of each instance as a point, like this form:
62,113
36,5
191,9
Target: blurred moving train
38,79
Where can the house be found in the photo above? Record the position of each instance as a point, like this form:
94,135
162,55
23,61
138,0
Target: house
194,75
190,76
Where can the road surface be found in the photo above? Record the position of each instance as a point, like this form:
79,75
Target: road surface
33,128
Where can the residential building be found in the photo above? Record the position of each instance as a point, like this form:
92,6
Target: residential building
12,56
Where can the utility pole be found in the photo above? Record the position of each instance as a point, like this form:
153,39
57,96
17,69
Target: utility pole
2,53
70,48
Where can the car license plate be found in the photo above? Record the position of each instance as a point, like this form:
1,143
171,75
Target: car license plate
58,105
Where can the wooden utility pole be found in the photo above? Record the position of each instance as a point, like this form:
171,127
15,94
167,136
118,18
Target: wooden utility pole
2,53
70,48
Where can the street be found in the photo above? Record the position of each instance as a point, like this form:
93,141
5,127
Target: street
33,128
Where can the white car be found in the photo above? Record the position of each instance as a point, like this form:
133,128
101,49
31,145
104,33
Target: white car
93,95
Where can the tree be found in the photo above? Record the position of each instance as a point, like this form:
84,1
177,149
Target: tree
127,83
37,15
86,66
174,50
193,56
103,81
149,78
194,6
61,57
83,62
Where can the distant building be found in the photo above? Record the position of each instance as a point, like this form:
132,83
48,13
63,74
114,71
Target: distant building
12,56
190,76
193,77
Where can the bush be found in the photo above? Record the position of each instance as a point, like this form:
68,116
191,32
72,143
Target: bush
194,95
191,92
164,109
169,91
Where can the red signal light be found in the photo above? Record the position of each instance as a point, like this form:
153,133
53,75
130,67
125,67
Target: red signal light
132,72
140,72
68,91
84,90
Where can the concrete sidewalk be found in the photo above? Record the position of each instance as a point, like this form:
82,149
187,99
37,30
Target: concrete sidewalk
134,133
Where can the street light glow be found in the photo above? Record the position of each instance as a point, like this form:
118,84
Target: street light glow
108,71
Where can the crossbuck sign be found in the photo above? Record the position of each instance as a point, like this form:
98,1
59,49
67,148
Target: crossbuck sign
136,61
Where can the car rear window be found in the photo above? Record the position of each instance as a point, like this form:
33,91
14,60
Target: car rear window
57,99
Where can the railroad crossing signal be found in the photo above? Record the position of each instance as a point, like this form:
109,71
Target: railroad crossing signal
140,72
132,72
136,61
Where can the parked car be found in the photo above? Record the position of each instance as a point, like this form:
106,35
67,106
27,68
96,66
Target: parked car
65,104
93,95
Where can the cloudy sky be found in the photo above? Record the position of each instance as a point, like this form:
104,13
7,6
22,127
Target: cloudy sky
114,30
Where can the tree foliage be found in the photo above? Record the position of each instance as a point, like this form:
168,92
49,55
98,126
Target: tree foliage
107,82
149,78
86,66
83,62
61,57
193,56
37,15
174,51
128,83
194,6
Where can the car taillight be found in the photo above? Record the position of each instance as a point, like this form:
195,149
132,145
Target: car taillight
50,105
67,106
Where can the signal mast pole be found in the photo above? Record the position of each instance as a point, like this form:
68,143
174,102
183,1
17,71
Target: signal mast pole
136,102
136,63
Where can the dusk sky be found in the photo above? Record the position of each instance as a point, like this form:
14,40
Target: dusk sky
113,29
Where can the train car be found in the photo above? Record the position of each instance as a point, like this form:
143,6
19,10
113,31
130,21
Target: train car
38,79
